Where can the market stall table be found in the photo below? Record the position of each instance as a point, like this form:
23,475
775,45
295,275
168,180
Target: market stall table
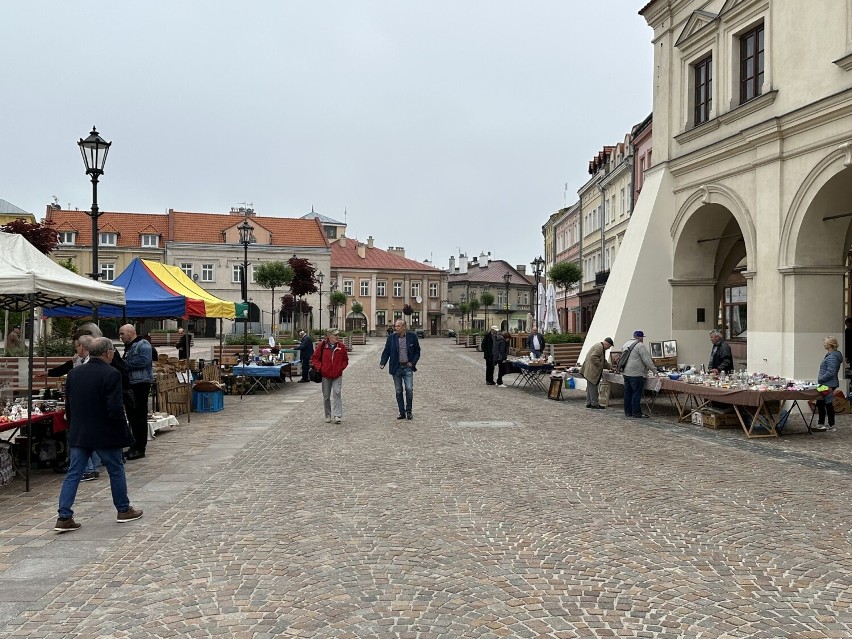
264,376
531,375
159,422
649,396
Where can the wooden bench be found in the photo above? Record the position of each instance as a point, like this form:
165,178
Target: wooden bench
168,339
13,373
564,354
233,351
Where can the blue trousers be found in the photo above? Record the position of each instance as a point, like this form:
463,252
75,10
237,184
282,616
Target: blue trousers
403,381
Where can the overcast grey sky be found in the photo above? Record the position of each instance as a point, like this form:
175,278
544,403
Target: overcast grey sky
438,125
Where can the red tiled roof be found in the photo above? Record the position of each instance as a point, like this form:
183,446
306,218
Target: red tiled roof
374,259
177,226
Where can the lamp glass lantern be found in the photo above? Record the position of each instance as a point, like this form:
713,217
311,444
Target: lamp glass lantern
507,278
94,150
538,266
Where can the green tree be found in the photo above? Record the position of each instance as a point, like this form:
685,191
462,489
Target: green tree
336,299
486,299
273,275
567,275
463,309
357,308
472,307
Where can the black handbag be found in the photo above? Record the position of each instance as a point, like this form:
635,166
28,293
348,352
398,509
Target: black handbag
314,375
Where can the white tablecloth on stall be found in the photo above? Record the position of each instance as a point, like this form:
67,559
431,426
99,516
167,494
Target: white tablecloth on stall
158,423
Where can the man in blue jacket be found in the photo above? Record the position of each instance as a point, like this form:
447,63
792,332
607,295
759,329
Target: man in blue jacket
402,350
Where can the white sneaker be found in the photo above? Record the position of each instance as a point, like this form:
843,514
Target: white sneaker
830,428
328,420
337,420
502,386
819,427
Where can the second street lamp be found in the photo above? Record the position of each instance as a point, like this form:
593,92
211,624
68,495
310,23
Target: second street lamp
537,265
507,277
320,278
246,238
94,150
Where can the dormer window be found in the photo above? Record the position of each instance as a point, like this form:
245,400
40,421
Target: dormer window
150,240
107,239
67,238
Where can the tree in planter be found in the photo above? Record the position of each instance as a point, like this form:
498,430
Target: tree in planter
472,307
273,275
304,278
486,299
463,308
336,299
567,275
288,305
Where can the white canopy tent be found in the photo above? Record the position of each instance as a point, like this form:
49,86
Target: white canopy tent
29,279
552,316
541,307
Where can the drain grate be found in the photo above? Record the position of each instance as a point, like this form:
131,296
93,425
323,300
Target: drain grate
485,424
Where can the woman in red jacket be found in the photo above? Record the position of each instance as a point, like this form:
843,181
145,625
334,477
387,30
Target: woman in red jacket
331,359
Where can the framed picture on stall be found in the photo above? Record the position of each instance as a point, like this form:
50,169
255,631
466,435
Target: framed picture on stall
670,348
656,349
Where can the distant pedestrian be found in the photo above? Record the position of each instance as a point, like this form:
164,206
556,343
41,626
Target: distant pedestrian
182,345
535,343
635,360
500,354
402,351
331,359
488,354
593,368
138,358
306,351
97,423
15,346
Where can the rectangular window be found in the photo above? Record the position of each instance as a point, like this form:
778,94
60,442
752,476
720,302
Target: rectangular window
397,289
150,240
433,289
623,202
415,318
501,298
107,271
330,232
381,289
206,272
751,64
348,286
703,90
235,274
397,315
415,289
186,267
66,237
381,318
365,288
107,239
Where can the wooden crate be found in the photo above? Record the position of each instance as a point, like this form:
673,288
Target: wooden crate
717,420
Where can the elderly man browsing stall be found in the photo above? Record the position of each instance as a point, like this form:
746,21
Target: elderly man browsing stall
593,368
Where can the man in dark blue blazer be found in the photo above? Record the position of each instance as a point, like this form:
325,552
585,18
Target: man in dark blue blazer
306,351
402,350
94,408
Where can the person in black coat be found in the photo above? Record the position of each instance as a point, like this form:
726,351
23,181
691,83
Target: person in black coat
488,354
306,351
94,409
183,344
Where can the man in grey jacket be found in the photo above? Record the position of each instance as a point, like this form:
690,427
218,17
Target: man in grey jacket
634,362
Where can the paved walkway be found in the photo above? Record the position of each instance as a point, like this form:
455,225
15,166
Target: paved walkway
494,513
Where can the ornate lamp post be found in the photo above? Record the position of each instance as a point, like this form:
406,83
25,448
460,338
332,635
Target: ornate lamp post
507,277
538,266
94,150
320,278
246,238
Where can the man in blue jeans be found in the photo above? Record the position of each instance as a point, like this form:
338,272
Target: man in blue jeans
94,407
402,350
635,360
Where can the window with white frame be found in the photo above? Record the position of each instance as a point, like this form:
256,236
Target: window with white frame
365,288
415,318
186,267
236,272
381,318
381,289
67,237
501,298
397,315
150,240
433,289
348,286
623,202
397,289
415,289
107,239
207,271
107,270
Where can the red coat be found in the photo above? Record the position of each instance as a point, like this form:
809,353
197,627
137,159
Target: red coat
330,363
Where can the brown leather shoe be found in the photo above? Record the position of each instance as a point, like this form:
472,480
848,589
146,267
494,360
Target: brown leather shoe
131,514
66,525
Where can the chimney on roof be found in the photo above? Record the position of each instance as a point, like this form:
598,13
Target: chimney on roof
462,263
342,241
362,250
521,268
397,250
452,264
370,242
483,259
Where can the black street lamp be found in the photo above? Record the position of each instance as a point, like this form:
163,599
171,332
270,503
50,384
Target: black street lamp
538,266
94,150
507,277
320,278
246,238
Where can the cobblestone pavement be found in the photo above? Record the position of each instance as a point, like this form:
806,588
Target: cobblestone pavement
495,512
